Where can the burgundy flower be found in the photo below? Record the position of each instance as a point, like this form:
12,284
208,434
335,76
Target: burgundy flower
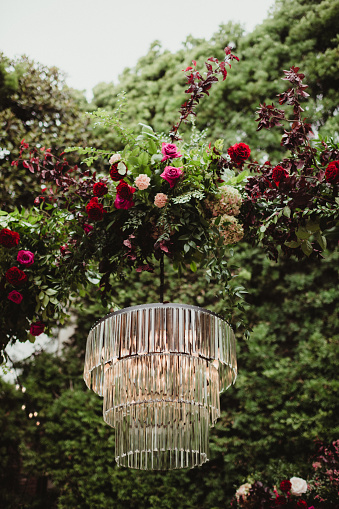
280,500
37,328
169,151
88,228
125,191
123,203
95,210
172,175
25,258
9,238
15,276
15,296
279,173
114,171
332,172
302,504
239,152
285,485
100,189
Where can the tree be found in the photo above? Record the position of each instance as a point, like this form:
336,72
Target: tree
35,105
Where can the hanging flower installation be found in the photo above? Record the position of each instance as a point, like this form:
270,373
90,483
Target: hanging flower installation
160,366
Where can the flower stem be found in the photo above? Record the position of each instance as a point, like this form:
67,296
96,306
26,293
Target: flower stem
162,278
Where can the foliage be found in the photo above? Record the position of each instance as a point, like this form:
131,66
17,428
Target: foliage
295,202
35,104
302,33
179,209
283,401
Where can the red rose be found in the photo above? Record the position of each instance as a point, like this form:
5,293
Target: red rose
118,171
285,485
172,175
15,276
37,328
99,189
279,173
239,152
125,191
302,504
280,500
95,210
122,203
332,172
15,296
9,238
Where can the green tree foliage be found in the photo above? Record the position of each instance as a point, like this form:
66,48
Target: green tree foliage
35,105
298,32
283,401
285,397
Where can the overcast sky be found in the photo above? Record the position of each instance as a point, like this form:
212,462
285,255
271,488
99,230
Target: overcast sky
94,40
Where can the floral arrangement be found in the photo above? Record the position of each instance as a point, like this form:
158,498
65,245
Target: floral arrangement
291,208
162,197
320,492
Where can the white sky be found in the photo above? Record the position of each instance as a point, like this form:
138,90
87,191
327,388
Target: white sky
94,40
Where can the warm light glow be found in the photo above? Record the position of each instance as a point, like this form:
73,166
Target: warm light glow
160,368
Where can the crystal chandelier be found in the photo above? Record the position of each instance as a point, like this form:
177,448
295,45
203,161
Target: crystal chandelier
160,369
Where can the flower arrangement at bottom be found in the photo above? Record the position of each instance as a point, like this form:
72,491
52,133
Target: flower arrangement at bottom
320,491
290,495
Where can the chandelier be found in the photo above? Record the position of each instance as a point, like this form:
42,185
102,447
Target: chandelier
160,369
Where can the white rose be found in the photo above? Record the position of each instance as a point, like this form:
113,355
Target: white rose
243,491
114,158
299,486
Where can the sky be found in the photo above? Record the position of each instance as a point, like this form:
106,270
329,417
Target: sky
94,40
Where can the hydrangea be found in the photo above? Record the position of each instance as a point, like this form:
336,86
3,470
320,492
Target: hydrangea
228,201
231,230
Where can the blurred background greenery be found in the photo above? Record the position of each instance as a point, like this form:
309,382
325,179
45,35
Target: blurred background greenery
286,395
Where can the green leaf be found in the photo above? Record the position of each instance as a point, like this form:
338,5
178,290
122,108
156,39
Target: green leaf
152,147
50,291
307,248
312,226
146,126
302,233
321,240
193,267
143,159
293,244
287,211
133,160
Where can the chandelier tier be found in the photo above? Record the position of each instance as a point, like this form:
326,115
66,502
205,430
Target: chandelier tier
160,369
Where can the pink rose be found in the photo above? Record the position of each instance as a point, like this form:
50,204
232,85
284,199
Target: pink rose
37,328
15,296
114,158
142,181
25,258
172,175
169,151
160,200
123,203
